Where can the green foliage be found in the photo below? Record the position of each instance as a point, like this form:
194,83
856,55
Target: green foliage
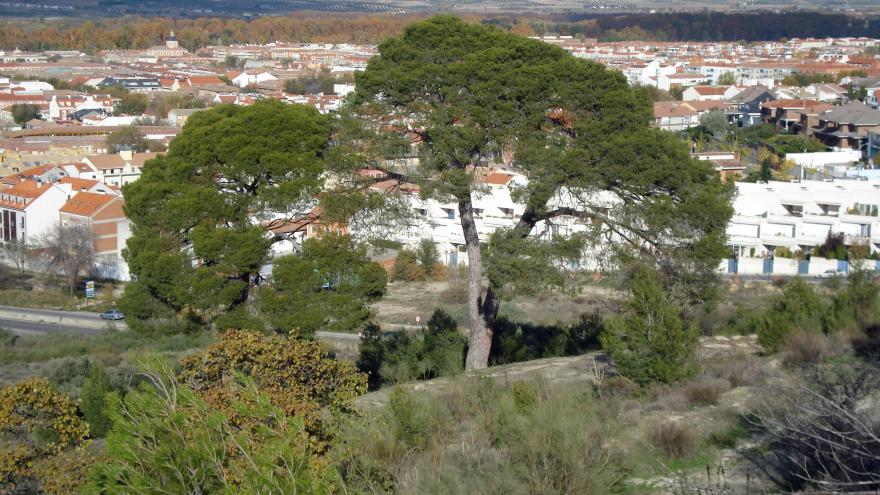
479,94
92,401
130,103
783,144
528,438
798,307
649,342
397,356
299,376
727,79
129,137
806,79
514,342
321,83
23,112
834,247
195,247
427,255
716,122
162,103
165,438
331,284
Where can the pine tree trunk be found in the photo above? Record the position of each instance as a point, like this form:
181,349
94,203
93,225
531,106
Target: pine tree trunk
480,339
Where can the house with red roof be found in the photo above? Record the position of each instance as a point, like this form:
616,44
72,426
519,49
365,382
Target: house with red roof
709,93
29,209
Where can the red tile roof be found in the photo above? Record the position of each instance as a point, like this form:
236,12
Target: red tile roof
87,204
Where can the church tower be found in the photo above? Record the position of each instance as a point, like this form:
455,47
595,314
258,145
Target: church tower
171,41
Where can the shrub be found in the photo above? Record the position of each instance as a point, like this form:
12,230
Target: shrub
443,346
705,391
456,293
92,403
397,357
798,307
804,348
247,446
439,272
739,370
407,268
480,437
299,376
523,341
650,342
727,436
427,255
7,338
37,423
673,439
822,433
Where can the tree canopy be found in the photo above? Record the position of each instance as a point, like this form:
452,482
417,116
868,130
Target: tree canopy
329,285
24,112
198,240
475,96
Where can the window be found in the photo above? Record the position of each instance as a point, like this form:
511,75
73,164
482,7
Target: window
478,213
830,209
422,212
450,213
794,210
865,209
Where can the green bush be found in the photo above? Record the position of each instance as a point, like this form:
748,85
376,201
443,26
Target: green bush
514,341
798,307
649,342
396,357
480,437
92,401
427,255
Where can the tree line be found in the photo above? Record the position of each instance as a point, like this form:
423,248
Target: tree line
138,33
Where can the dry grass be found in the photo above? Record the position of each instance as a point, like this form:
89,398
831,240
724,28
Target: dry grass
804,348
740,370
673,439
705,391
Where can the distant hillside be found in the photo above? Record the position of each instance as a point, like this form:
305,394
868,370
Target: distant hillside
142,32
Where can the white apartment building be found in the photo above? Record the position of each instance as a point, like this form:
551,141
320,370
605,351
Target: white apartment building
29,209
801,215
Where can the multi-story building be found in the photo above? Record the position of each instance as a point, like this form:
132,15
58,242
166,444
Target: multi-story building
103,215
800,215
29,209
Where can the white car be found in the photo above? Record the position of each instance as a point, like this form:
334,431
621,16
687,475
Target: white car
832,273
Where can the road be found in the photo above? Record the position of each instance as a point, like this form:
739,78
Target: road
27,321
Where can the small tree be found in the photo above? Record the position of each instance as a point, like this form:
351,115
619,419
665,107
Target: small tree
23,112
128,137
427,254
68,250
727,79
19,255
407,268
294,86
716,122
92,400
650,342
